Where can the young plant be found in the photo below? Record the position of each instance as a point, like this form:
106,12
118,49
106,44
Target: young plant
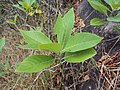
71,48
109,12
28,6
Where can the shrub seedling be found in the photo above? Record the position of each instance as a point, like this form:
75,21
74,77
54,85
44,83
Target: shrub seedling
71,48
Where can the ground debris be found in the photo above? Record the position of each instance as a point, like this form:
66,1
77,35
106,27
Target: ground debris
110,71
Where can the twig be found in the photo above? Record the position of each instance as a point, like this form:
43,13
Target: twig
108,81
89,15
16,82
114,45
112,38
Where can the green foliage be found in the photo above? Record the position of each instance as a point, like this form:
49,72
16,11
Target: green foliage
35,37
97,22
35,63
81,41
30,46
59,29
28,6
115,4
80,55
54,47
77,48
63,27
2,43
25,5
117,28
68,22
114,18
99,6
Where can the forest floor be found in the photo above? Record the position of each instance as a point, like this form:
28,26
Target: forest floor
100,74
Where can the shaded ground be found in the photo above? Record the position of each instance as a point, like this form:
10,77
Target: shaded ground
90,75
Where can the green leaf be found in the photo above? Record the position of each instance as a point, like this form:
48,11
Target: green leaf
35,37
81,41
114,18
54,47
80,56
97,22
59,29
110,2
2,43
117,28
115,4
30,46
26,5
35,63
68,22
97,5
38,11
